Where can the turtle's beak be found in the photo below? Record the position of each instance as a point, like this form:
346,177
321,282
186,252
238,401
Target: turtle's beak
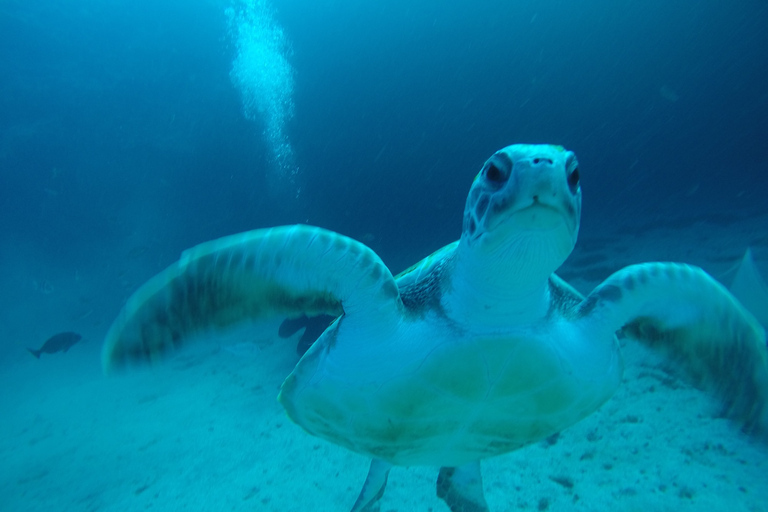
536,215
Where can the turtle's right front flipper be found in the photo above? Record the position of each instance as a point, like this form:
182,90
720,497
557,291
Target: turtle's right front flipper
288,271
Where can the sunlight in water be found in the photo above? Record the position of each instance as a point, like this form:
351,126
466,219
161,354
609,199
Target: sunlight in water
264,77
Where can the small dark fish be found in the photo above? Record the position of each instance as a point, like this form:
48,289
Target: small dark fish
57,343
315,325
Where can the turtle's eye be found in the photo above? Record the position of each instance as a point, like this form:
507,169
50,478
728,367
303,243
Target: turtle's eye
573,180
497,170
496,175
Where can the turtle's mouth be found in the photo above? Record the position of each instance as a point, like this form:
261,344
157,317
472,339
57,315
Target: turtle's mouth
534,215
544,232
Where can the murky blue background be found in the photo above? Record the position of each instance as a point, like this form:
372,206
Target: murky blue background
134,129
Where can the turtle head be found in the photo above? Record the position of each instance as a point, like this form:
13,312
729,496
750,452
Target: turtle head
524,208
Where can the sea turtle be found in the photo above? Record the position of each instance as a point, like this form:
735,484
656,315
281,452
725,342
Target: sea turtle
475,351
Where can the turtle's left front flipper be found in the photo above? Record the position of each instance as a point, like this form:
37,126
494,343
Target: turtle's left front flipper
681,312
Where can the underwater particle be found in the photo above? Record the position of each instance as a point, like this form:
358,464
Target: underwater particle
565,481
543,504
668,94
43,286
686,492
253,491
593,436
552,440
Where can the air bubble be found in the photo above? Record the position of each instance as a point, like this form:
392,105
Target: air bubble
265,79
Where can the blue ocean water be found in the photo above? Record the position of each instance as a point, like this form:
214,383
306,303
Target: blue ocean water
132,130
380,115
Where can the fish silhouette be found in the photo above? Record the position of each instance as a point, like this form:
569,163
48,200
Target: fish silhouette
314,326
60,342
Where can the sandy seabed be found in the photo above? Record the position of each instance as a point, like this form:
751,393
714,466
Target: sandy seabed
204,432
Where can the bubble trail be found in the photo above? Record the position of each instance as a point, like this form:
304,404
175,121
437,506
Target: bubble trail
265,79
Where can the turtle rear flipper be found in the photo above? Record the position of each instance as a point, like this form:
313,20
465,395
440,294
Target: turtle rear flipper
285,271
461,488
373,488
682,313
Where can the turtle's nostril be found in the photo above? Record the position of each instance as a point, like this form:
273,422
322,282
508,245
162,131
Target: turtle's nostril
537,161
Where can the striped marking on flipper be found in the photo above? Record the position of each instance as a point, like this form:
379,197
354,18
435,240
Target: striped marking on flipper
285,271
684,314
